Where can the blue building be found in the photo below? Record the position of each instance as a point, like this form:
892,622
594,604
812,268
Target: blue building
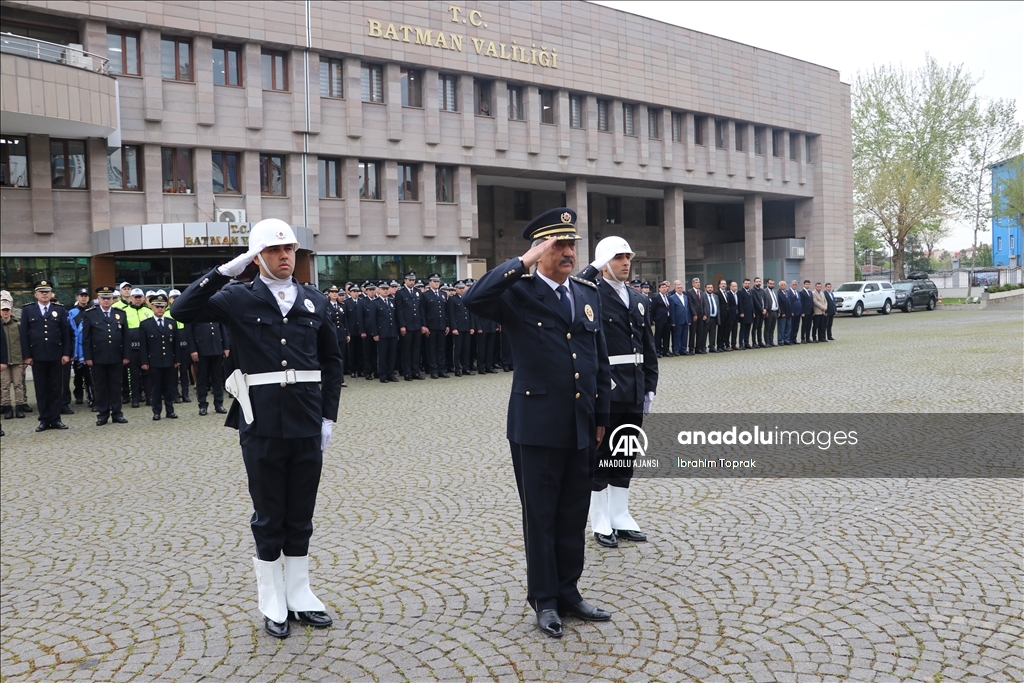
1006,233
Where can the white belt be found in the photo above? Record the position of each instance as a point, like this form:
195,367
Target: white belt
627,359
238,384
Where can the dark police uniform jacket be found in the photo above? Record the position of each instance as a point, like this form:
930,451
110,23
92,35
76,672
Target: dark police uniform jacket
352,323
159,344
380,318
367,307
433,306
627,332
407,309
104,340
206,339
458,317
267,341
45,339
561,386
338,319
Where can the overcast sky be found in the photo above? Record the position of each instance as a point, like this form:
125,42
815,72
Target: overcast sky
986,37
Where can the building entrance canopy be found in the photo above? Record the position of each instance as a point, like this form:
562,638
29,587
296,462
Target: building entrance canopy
158,236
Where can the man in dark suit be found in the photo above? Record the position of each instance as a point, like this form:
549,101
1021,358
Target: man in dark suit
757,296
712,318
680,316
723,315
806,312
797,307
558,408
831,313
695,296
661,316
105,348
462,330
785,313
746,313
46,347
286,389
160,355
771,308
435,326
410,324
733,313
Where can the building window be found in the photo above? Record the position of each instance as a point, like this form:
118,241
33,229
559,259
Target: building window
412,87
777,142
1011,245
176,58
741,135
407,183
369,179
793,146
18,273
602,115
613,210
482,95
652,209
177,169
331,78
371,83
13,161
273,65
123,168
67,164
522,209
575,111
654,124
123,52
677,127
329,176
444,178
807,148
698,129
225,173
446,93
759,140
547,106
719,133
999,244
627,119
515,103
272,174
227,64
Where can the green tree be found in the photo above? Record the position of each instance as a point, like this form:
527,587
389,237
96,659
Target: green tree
933,233
909,129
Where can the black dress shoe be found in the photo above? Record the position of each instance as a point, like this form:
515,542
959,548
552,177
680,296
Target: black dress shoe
202,410
66,410
458,374
25,407
78,401
156,417
444,375
384,381
314,619
471,372
121,420
407,378
607,540
584,610
94,409
58,425
8,413
100,421
42,427
177,400
277,629
549,622
172,416
631,535
221,410
186,399
135,404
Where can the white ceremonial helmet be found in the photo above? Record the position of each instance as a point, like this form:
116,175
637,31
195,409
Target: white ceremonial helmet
609,247
272,231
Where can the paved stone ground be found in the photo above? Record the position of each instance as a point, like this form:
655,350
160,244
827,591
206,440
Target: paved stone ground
125,550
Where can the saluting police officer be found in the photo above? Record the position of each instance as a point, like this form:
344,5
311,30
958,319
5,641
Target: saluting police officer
105,347
46,346
159,352
558,408
286,388
633,358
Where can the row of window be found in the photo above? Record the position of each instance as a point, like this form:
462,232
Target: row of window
522,208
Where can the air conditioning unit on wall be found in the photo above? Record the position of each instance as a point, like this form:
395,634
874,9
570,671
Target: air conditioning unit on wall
231,216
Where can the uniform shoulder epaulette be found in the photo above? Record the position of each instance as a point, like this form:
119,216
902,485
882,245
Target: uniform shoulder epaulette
526,276
91,308
311,289
582,281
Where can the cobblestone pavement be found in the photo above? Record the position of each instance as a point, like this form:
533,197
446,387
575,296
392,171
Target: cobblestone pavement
125,549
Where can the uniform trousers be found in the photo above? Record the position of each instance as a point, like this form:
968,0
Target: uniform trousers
485,357
47,375
184,378
164,381
387,351
369,356
554,490
107,382
460,351
619,414
435,352
355,356
342,348
13,375
65,385
83,381
507,361
284,475
410,344
210,377
140,381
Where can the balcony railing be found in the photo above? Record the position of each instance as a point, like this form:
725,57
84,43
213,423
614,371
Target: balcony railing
72,55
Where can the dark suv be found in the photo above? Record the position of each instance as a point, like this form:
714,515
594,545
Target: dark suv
917,292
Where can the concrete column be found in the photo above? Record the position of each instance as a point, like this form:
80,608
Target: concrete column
642,129
314,92
531,107
153,183
202,189
465,195
99,192
253,74
94,37
615,123
468,107
730,148
801,158
389,188
393,102
353,102
312,192
590,122
689,141
251,185
785,156
675,245
40,184
152,82
350,182
748,149
576,199
666,138
562,119
769,153
293,187
711,144
500,95
202,50
753,236
297,86
428,197
432,107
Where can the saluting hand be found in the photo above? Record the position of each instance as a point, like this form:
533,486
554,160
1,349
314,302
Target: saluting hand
533,255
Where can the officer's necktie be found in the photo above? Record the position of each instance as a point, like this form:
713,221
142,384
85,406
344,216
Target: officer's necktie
106,314
160,322
563,296
46,309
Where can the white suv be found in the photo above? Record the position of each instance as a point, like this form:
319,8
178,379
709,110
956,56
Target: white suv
856,297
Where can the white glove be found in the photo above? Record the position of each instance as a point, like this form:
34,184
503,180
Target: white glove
601,261
648,402
238,264
326,433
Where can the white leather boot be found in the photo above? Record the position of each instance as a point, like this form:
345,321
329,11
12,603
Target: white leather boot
599,521
272,599
302,604
618,512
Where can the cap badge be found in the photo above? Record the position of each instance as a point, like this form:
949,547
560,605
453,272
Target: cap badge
309,305
280,234
640,307
44,283
566,217
589,312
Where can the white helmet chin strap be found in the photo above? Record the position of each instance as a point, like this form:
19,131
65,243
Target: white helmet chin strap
268,271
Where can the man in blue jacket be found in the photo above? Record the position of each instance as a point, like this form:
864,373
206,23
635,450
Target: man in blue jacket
680,314
558,408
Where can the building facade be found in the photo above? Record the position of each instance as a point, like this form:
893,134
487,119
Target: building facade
141,140
1006,232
